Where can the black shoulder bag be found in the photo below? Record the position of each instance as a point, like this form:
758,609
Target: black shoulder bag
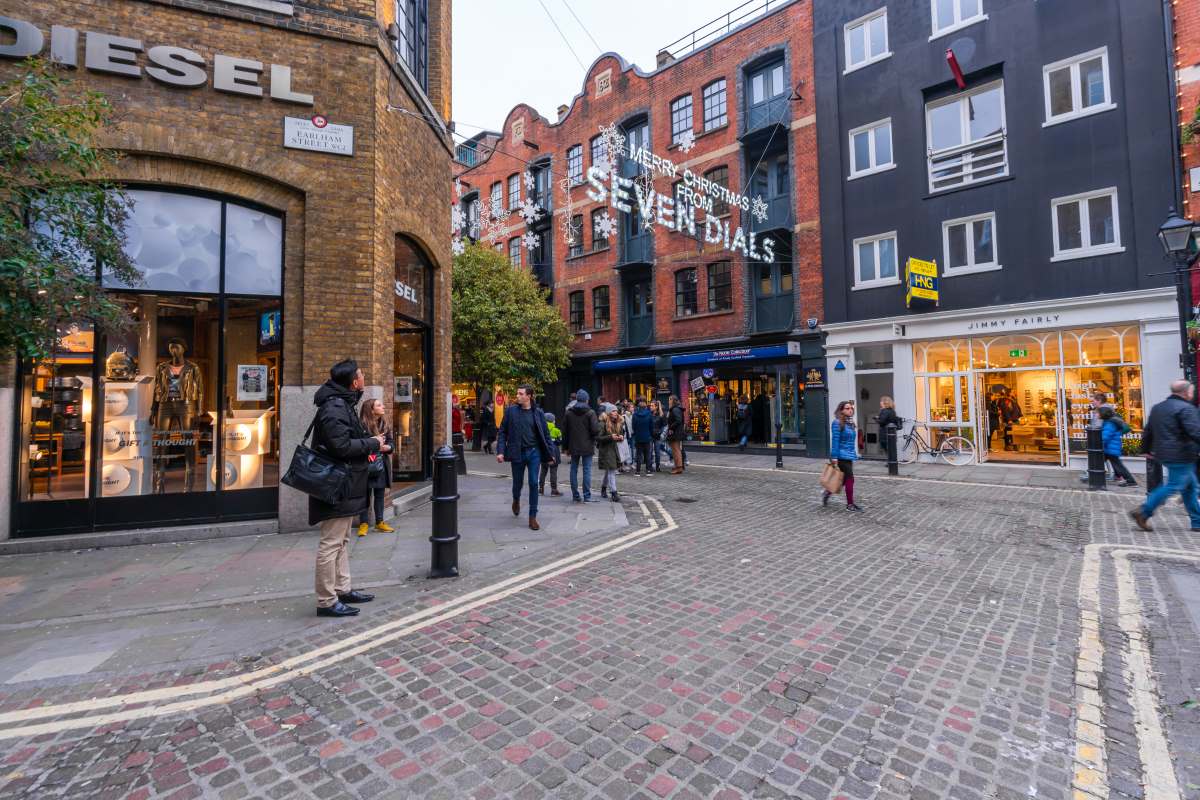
316,474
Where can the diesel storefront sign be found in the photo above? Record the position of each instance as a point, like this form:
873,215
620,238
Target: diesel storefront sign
175,66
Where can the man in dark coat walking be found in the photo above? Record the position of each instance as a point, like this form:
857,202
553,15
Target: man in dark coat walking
1172,437
525,443
676,433
340,434
580,428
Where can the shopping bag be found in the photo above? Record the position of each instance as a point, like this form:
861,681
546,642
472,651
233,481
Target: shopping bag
831,478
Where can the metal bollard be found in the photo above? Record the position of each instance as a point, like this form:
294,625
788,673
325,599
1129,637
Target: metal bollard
460,456
1095,451
893,460
1154,474
778,445
443,559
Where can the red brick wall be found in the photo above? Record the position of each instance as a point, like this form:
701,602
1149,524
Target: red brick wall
632,93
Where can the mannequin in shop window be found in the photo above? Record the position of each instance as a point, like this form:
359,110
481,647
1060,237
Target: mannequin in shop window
178,396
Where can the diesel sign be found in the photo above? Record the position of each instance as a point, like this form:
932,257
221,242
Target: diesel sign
176,66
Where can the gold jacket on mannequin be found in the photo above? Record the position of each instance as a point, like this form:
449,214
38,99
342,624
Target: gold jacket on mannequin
191,384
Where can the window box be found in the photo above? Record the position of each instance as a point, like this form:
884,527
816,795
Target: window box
1077,87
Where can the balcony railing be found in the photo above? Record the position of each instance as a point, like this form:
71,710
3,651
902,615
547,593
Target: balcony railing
775,111
637,249
779,214
718,27
969,163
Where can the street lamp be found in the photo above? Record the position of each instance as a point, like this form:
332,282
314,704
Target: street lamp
1175,235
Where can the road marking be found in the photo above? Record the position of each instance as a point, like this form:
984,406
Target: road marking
238,686
1091,775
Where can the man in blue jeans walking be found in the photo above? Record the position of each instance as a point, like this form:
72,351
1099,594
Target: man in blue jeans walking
580,428
1172,437
524,442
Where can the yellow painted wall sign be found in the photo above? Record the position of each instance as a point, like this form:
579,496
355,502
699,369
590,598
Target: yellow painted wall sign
921,279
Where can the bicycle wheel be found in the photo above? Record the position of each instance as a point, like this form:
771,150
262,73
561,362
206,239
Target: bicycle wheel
957,451
907,450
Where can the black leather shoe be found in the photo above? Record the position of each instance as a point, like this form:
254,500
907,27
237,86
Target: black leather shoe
337,610
355,596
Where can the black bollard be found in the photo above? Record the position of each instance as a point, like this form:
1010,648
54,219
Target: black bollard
1154,474
892,457
460,456
1095,451
778,446
443,560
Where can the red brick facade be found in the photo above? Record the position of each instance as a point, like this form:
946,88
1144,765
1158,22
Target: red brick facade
528,137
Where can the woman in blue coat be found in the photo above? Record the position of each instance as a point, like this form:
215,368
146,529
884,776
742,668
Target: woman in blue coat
843,442
1112,430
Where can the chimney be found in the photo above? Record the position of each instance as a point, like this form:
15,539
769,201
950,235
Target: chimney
562,112
664,57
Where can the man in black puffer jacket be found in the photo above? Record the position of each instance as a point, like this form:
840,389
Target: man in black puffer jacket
338,432
1172,437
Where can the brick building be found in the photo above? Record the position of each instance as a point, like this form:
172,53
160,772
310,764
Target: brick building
1185,28
655,306
289,166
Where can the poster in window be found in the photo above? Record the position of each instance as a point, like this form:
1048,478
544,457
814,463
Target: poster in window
251,382
404,389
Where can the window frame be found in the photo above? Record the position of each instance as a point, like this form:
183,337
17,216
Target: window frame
596,324
682,295
496,197
963,98
597,237
705,96
863,21
727,285
679,107
577,326
596,147
721,208
971,268
513,198
514,248
1087,250
959,22
575,164
870,128
876,281
576,249
1072,64
412,18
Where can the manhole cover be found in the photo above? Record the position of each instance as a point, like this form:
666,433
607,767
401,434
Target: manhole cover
685,499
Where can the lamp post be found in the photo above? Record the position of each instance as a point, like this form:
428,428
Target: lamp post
1175,235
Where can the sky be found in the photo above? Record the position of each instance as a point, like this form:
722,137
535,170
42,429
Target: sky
508,51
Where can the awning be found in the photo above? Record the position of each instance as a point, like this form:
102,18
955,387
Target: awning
614,364
738,354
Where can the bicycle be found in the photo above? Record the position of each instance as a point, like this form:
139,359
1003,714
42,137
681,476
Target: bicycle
954,450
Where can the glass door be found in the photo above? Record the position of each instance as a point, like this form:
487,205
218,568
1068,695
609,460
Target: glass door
983,420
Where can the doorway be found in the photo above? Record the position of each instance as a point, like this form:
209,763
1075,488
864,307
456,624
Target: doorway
640,312
1020,416
869,388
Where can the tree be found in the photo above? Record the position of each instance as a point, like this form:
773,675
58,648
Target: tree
57,217
505,333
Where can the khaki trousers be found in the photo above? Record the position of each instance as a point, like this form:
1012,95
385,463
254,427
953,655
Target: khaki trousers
333,561
677,454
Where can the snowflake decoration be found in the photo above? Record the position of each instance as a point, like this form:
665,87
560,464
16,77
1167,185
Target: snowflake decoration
614,142
569,208
602,162
646,182
530,212
606,226
687,140
528,178
531,241
458,187
457,247
758,208
457,220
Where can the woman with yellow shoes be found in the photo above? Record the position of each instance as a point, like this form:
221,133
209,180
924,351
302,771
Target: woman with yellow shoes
379,470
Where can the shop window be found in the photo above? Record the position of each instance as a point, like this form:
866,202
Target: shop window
1122,388
943,356
1101,346
685,292
720,286
175,240
1086,225
600,312
575,311
1077,86
253,251
866,40
715,105
251,435
876,356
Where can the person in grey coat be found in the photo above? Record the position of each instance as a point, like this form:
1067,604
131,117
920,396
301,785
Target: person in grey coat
1172,437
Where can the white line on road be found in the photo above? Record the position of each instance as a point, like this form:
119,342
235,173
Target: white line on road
236,686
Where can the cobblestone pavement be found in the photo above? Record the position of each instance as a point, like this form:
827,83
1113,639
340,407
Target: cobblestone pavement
956,640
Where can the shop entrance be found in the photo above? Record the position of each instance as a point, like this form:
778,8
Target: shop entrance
412,357
1019,416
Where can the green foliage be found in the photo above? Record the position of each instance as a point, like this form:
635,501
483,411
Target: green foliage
505,333
1191,127
56,217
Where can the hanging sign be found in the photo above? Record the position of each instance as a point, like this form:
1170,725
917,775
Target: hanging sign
922,282
814,378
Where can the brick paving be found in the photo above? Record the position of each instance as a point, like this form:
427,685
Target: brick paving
768,647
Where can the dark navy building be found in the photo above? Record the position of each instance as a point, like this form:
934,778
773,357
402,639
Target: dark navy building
993,174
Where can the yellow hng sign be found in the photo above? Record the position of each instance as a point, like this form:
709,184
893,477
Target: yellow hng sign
921,279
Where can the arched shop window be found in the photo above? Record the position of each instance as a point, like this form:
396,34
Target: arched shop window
177,418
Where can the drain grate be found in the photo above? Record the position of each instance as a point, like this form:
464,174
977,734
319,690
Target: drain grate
685,499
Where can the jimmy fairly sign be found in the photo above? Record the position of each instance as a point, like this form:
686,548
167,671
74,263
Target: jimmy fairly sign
656,208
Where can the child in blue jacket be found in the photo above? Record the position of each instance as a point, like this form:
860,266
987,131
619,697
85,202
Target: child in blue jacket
1112,430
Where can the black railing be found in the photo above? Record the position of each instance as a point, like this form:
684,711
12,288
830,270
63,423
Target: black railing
772,112
779,214
718,27
637,249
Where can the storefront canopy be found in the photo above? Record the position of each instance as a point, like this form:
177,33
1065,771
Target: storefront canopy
772,351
